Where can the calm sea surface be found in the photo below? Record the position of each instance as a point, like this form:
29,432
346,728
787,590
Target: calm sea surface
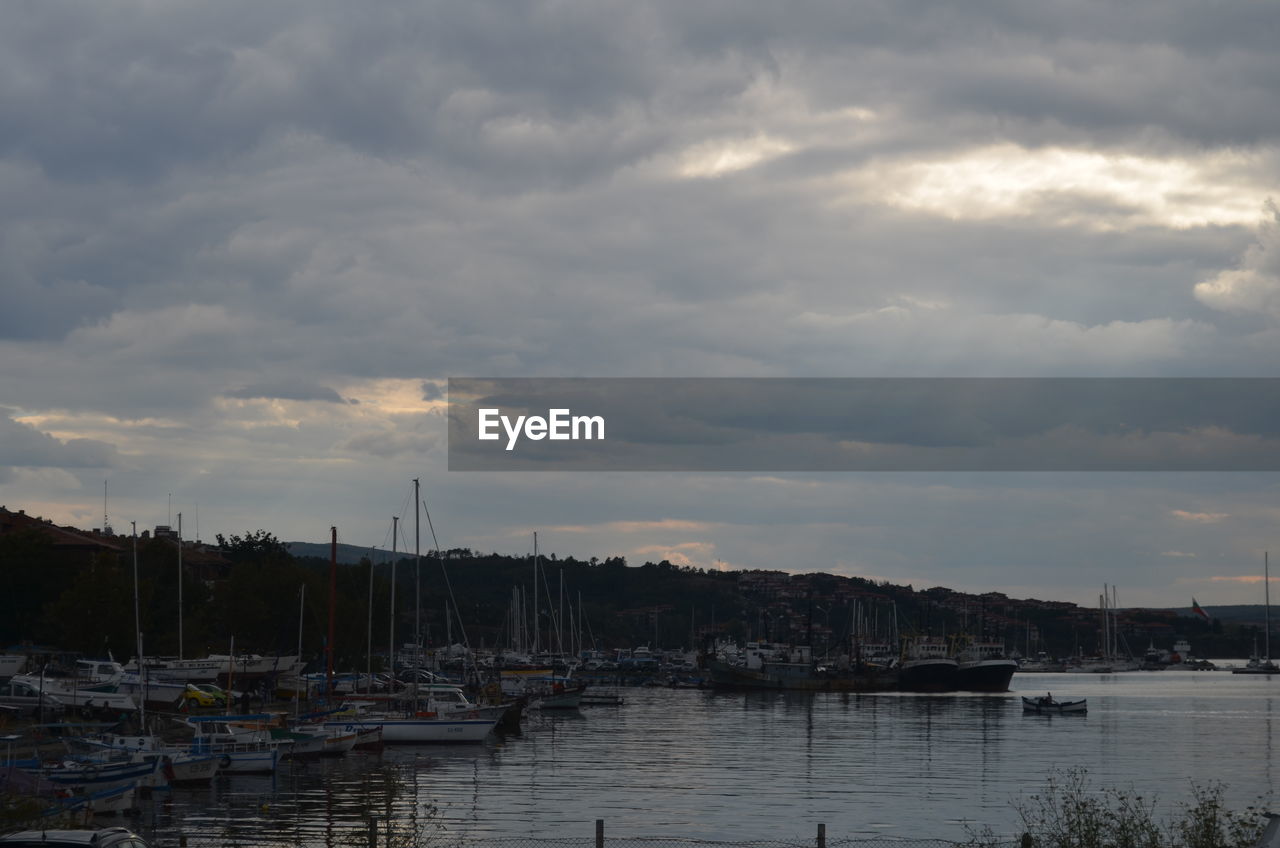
772,766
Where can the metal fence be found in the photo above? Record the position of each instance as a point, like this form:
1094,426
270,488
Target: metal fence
381,833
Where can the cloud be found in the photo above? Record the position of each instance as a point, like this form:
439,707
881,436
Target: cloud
1178,554
286,390
218,221
1254,285
1198,517
22,445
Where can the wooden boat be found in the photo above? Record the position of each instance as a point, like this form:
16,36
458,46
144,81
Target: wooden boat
177,764
93,777
337,743
370,737
1048,705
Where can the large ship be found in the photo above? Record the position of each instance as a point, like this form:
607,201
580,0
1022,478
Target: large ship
984,667
769,666
927,666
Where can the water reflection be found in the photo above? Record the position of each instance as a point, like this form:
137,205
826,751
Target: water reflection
765,765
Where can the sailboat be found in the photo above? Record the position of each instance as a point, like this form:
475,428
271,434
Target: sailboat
420,723
1263,665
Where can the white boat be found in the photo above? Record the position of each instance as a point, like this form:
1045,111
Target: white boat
369,737
241,743
439,700
87,692
174,669
183,767
247,758
11,664
300,743
1048,705
338,742
255,665
156,693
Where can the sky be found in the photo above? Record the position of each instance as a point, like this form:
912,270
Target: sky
244,245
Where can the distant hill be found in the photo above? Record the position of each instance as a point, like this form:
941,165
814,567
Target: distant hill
1237,612
347,554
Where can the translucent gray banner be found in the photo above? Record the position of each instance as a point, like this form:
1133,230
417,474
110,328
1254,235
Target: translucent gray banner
912,424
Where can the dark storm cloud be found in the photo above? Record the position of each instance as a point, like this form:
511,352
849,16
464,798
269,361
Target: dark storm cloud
197,198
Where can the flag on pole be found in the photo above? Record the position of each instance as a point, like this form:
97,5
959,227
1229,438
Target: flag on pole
1195,608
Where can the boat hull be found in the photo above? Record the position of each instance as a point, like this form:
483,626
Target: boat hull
183,768
985,676
1043,706
420,731
779,677
929,675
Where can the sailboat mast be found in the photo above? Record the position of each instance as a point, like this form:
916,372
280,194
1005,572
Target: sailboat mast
369,649
536,624
417,590
137,625
302,600
1266,595
333,608
180,654
391,625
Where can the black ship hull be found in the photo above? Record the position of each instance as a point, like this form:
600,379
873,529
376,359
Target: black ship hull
985,676
931,675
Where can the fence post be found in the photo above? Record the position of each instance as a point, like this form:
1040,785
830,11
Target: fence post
822,835
373,832
599,833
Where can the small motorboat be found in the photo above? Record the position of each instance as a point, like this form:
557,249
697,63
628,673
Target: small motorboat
1048,705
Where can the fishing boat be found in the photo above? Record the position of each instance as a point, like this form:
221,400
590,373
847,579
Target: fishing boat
984,667
1048,705
927,666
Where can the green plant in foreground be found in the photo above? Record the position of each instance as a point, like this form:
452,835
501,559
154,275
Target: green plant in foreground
1070,813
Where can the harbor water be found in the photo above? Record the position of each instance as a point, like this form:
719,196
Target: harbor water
752,766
